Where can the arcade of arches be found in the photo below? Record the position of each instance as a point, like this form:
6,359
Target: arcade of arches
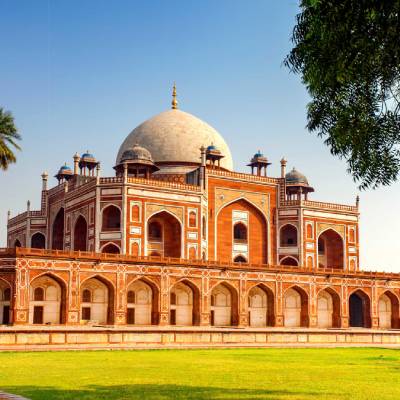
183,303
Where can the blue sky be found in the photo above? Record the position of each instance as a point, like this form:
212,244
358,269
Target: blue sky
81,75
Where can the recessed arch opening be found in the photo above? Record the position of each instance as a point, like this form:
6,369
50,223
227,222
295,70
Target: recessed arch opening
224,305
330,250
261,306
296,307
360,309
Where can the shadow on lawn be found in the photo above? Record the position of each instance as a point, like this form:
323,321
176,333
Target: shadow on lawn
152,392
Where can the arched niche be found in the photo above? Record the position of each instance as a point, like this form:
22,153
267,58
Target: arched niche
110,248
388,311
97,301
360,309
240,259
184,304
289,261
142,303
111,218
224,305
192,219
328,309
80,234
261,306
256,232
47,302
288,236
295,307
240,232
330,250
17,243
164,235
57,242
5,303
38,241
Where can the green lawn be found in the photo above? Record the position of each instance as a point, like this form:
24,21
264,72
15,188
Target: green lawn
204,374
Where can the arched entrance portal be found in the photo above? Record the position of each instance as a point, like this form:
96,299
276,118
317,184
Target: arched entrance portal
295,307
38,241
224,306
360,310
388,311
139,303
80,234
58,231
47,301
328,309
164,235
330,250
5,303
261,306
184,304
97,301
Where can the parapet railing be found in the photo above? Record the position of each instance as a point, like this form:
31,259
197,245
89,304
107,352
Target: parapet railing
242,175
152,182
161,183
21,217
320,204
224,265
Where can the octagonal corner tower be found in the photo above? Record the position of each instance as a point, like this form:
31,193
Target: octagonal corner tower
174,138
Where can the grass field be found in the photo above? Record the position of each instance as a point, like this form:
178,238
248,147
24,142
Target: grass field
204,374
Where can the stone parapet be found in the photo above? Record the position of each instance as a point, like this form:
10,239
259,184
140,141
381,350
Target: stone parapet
58,338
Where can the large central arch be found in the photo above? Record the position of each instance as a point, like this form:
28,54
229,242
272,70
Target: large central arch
256,241
164,235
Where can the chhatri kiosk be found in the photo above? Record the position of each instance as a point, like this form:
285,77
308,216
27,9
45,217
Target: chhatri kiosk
177,240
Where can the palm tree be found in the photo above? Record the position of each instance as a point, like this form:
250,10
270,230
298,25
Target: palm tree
8,137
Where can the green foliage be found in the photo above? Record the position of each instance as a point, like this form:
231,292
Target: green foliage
348,55
275,374
8,137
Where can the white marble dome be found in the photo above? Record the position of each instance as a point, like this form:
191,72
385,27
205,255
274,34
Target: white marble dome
175,136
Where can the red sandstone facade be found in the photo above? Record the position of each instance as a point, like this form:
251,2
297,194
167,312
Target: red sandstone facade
188,242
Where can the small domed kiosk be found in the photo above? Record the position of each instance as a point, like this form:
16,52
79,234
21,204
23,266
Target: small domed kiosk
297,185
137,161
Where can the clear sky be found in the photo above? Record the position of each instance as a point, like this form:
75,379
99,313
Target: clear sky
80,75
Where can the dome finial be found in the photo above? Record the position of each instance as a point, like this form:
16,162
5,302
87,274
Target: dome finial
174,101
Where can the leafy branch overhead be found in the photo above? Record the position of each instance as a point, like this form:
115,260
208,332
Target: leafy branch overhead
348,55
8,137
